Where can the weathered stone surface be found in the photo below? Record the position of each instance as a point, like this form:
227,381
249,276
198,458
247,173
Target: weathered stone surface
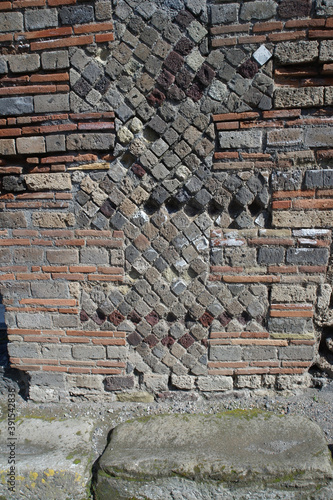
319,136
258,10
40,182
52,219
224,14
324,7
16,105
300,97
284,137
11,21
7,147
24,63
61,465
296,52
243,139
37,19
243,447
13,220
310,218
51,103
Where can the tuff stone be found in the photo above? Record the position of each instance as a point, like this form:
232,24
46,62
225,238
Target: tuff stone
296,52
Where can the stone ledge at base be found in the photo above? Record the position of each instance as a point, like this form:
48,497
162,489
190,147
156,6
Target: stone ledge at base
53,459
229,455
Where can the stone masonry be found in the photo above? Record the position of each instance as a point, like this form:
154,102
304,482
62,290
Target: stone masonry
166,194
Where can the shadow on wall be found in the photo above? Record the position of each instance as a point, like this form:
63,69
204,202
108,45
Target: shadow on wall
11,377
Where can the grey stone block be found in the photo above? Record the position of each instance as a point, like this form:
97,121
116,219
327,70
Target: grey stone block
55,143
13,220
224,14
24,63
326,51
57,59
80,14
319,136
7,147
115,383
16,106
289,325
328,178
258,353
51,103
307,256
258,10
53,351
11,21
296,52
93,141
270,255
94,256
314,179
24,350
88,352
305,97
241,139
3,66
299,353
324,7
49,290
36,320
36,19
225,353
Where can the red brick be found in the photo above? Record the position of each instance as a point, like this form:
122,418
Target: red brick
109,341
305,23
28,3
55,269
221,42
309,193
312,269
302,342
29,89
304,364
54,368
251,279
93,28
282,269
7,277
278,37
282,113
234,28
11,132
69,277
32,276
246,115
291,314
14,242
104,277
318,204
254,335
252,39
104,38
92,232
321,34
269,26
11,170
82,269
26,367
49,33
54,77
226,154
74,340
6,6
227,126
67,42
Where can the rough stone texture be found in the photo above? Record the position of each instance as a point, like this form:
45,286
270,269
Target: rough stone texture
157,163
61,463
144,459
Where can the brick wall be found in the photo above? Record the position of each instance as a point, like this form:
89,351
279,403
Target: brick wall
167,186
